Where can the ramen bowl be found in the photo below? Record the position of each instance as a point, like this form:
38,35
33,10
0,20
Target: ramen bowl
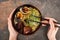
26,19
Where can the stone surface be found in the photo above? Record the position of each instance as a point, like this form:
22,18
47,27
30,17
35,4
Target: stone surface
50,8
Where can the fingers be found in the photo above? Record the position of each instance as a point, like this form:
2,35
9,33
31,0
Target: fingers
9,24
51,22
57,29
43,25
52,25
51,19
10,27
45,21
57,24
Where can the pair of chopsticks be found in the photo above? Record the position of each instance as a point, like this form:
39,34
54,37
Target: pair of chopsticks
57,23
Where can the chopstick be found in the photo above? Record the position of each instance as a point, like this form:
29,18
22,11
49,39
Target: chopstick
34,21
49,25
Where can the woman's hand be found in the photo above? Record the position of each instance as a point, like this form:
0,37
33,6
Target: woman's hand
52,29
13,33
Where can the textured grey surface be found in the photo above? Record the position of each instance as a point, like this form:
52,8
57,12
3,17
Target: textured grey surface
50,8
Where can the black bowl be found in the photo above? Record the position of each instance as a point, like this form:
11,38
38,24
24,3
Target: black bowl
16,10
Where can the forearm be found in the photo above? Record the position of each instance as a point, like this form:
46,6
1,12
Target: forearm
52,39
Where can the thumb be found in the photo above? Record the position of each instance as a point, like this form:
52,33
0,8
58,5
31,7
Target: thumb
52,25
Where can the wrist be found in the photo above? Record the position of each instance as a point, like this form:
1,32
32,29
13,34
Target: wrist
12,37
52,39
